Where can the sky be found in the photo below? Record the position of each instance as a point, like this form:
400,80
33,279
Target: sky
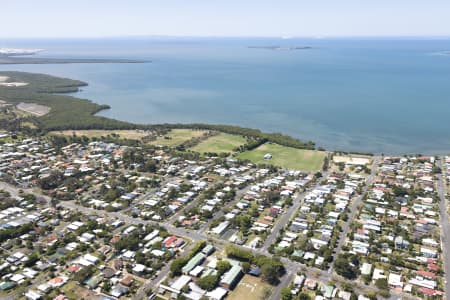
311,18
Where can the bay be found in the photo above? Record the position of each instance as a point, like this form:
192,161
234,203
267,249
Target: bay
372,95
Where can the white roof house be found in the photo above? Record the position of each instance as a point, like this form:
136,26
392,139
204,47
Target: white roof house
395,280
90,258
218,293
181,282
33,295
219,229
378,274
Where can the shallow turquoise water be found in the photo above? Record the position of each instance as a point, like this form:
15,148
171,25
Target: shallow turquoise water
388,96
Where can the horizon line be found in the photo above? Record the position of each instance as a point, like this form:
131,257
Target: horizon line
235,37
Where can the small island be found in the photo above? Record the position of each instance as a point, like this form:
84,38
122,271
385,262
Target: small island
285,48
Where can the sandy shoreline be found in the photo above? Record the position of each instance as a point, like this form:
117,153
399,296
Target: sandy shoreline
3,82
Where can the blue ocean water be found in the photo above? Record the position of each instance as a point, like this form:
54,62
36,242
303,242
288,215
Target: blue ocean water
377,95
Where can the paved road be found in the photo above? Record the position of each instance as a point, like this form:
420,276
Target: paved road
284,282
283,221
285,218
195,202
353,210
190,205
445,225
141,293
228,205
14,191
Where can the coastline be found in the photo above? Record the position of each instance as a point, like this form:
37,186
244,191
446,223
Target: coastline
69,112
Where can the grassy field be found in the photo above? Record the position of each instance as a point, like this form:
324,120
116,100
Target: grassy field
249,288
221,143
177,136
28,124
129,134
73,291
286,157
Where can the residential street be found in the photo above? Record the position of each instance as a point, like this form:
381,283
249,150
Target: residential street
285,218
353,210
445,225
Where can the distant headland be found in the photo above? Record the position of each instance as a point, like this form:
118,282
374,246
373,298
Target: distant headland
11,56
18,52
42,60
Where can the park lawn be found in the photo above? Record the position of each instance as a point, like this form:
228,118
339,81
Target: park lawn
29,125
286,157
176,137
221,143
249,288
128,134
